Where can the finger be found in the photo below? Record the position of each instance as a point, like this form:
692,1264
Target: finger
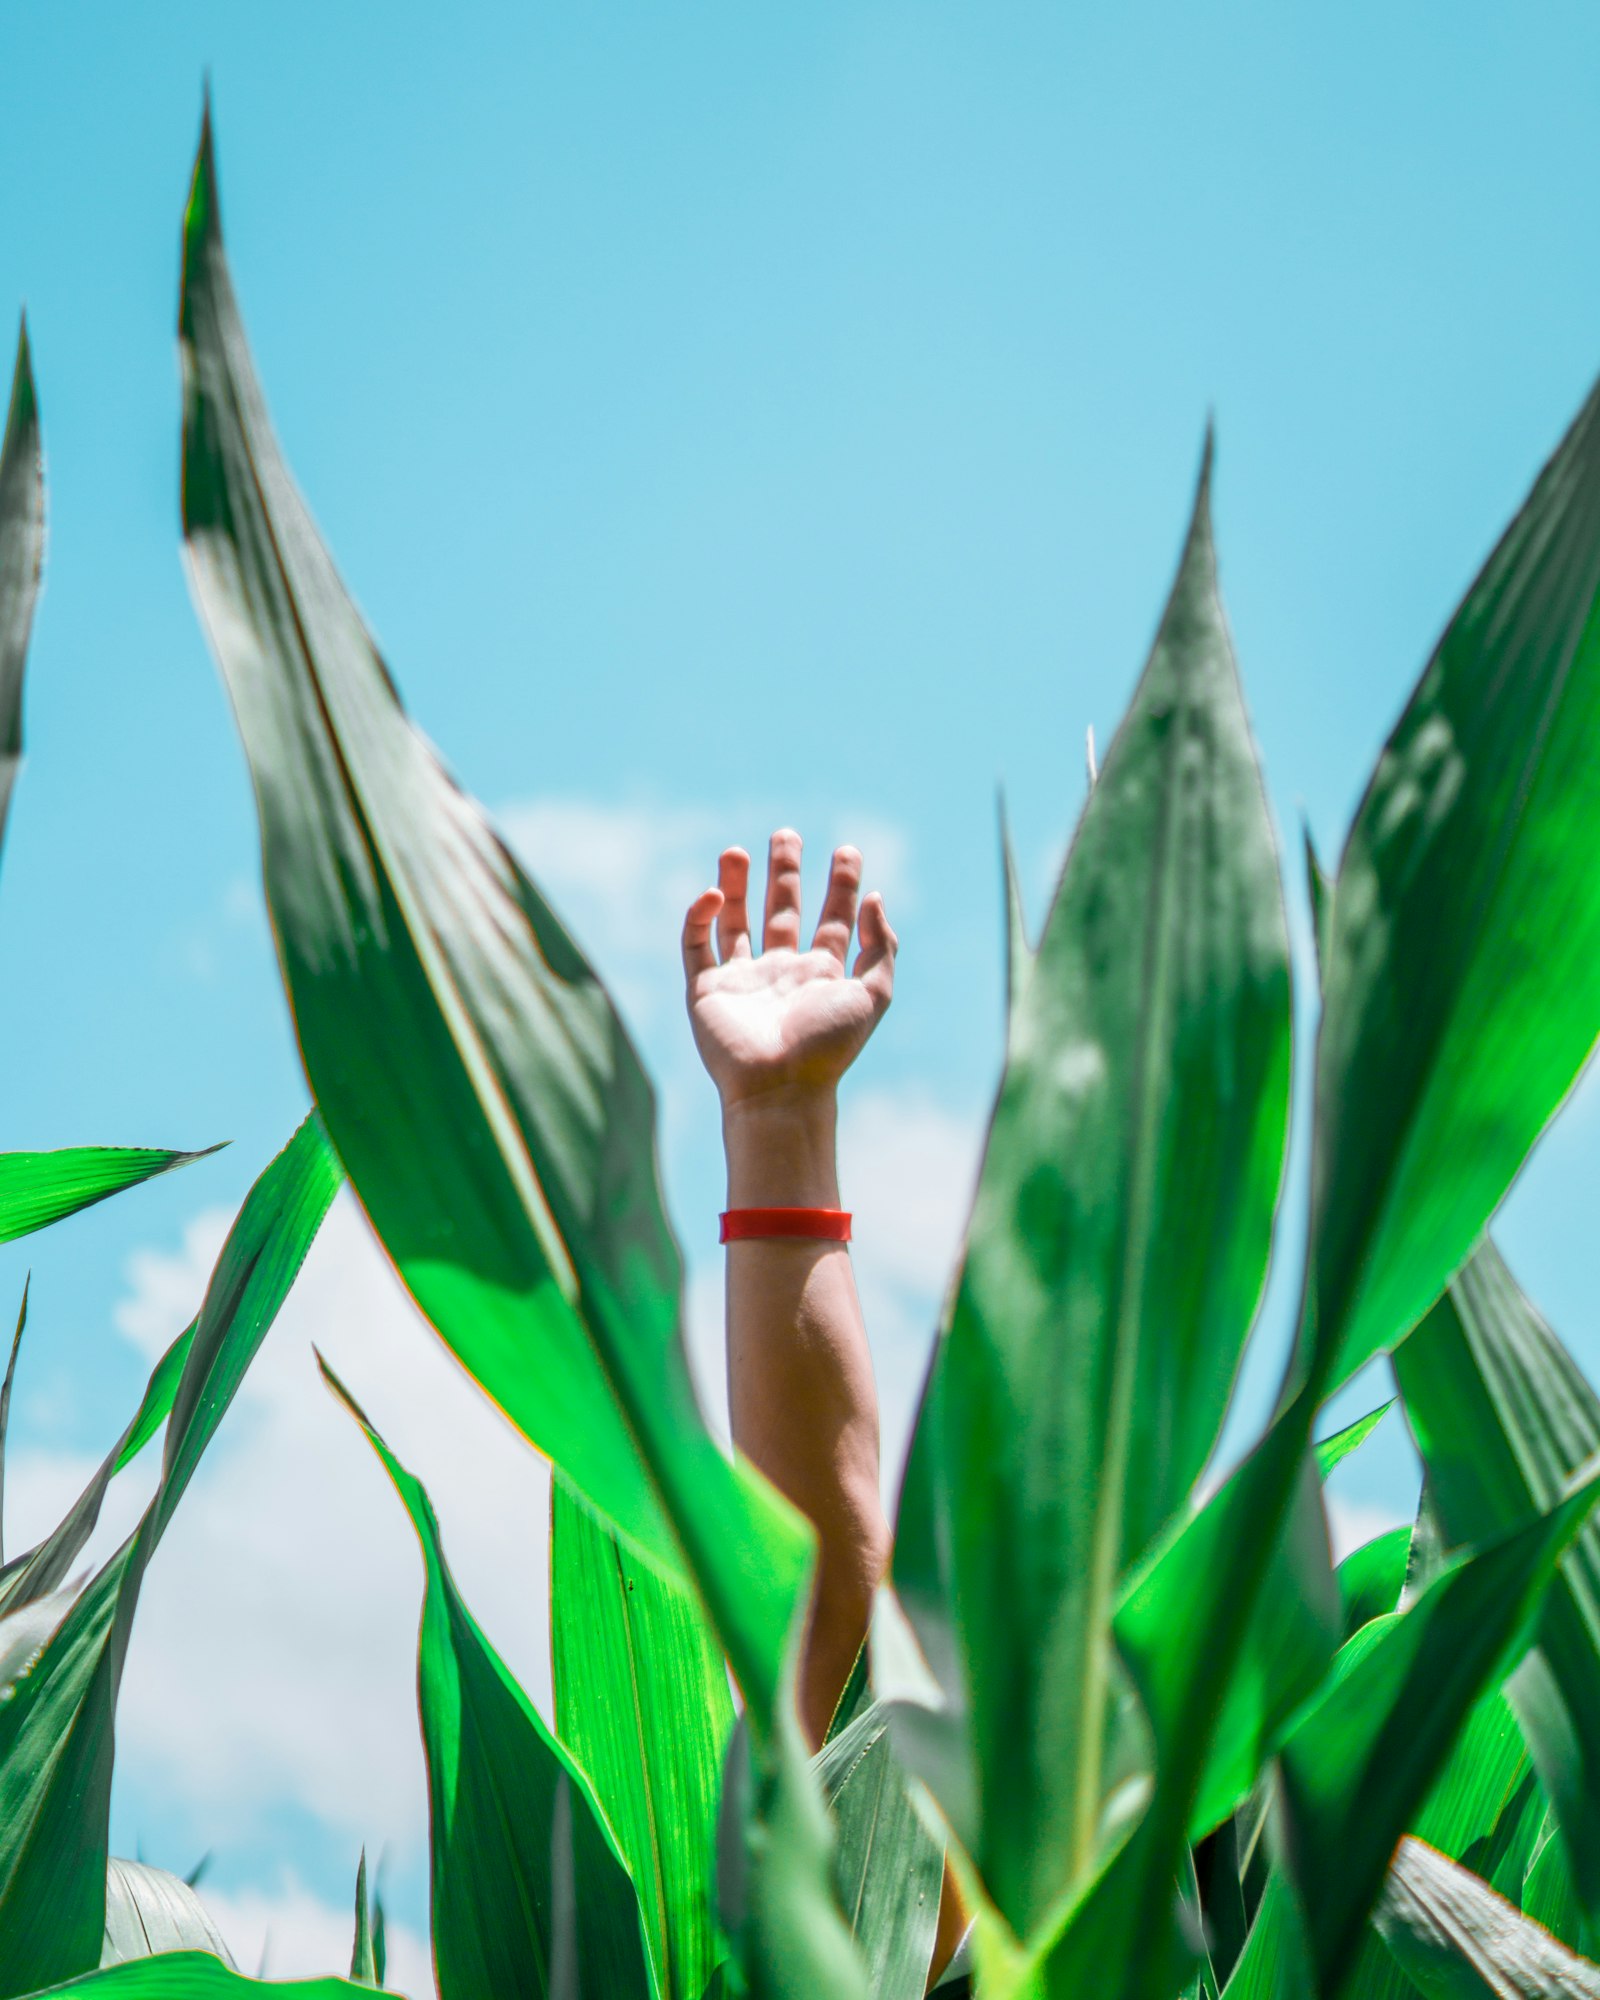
874,965
733,926
838,917
698,956
781,929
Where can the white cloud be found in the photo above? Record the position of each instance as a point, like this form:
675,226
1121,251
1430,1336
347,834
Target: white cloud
274,1658
286,1932
1352,1522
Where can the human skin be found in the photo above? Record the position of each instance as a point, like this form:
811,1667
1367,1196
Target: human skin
776,1030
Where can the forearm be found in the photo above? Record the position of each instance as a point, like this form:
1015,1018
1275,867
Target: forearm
801,1395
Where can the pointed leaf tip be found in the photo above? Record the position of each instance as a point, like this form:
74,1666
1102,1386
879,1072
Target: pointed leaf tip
202,221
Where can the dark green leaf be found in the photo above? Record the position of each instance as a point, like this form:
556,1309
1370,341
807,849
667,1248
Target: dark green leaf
1503,1417
37,1189
1462,985
1458,1940
56,1730
1116,1254
21,559
891,1869
642,1703
363,1959
1276,1961
1319,890
494,1771
149,1911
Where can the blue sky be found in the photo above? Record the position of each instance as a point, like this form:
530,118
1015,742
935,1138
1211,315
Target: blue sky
724,415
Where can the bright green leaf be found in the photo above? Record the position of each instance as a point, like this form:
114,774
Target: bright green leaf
194,1975
642,1702
37,1189
1372,1577
494,1771
1332,1451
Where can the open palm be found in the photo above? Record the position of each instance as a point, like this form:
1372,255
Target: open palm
787,1019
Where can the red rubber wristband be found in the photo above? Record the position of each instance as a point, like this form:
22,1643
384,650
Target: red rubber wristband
823,1225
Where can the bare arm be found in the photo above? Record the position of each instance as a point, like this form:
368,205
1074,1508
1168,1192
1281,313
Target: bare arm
777,1031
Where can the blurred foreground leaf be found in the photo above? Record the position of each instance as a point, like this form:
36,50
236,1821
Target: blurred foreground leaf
21,559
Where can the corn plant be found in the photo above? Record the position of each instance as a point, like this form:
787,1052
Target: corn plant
1165,1749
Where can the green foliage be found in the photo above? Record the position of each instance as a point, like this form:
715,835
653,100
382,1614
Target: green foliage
1167,1752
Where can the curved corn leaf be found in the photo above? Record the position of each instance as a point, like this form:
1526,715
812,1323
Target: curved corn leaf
482,1092
42,1567
1361,1761
484,1096
642,1702
1462,989
37,1189
891,1869
1276,1961
1116,1254
1549,1895
25,1631
56,1730
21,558
1503,1417
5,1400
149,1911
1332,1451
1458,1940
193,1975
494,1772
1372,1577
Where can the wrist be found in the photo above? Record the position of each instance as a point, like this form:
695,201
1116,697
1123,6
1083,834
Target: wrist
781,1148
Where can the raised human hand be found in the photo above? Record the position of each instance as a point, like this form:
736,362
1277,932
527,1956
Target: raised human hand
785,1022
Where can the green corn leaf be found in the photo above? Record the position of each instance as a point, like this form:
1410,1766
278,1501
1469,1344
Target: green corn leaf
149,1911
193,1975
1372,1577
1276,1961
42,1567
1458,1940
494,1771
1116,1254
1332,1451
642,1702
37,1189
1462,988
480,1087
21,559
482,1092
1361,1761
56,1729
891,1869
5,1402
25,1631
1503,1417
363,1954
